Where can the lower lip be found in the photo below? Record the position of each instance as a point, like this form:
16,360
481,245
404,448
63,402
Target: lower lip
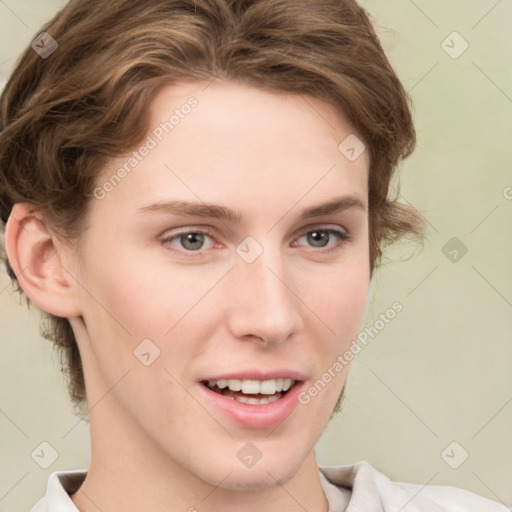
255,416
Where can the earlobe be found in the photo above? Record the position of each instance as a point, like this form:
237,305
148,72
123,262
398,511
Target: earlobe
33,254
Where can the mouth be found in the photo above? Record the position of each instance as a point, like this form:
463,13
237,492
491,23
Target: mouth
254,399
251,391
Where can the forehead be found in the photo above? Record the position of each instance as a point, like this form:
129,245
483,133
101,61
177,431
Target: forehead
230,143
223,106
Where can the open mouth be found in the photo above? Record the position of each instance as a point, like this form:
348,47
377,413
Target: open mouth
252,392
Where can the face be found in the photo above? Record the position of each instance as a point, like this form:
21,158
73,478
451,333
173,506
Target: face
231,252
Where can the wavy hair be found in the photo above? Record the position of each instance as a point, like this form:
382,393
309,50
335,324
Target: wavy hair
63,117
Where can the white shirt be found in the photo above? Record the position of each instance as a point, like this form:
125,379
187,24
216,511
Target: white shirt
360,485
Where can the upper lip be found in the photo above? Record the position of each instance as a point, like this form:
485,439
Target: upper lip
258,375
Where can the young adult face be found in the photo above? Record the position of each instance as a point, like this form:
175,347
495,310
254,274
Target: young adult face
215,304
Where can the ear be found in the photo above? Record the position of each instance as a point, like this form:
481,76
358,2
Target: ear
33,252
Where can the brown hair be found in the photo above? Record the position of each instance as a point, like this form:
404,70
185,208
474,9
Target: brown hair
64,116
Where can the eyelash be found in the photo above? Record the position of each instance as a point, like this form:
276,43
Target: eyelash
341,236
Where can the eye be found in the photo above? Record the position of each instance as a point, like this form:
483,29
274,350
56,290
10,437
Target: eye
190,241
320,238
198,240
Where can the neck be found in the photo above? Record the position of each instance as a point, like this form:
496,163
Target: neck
128,472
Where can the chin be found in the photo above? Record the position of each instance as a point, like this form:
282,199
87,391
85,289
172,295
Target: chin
258,479
272,470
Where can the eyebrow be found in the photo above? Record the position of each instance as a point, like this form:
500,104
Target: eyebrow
208,210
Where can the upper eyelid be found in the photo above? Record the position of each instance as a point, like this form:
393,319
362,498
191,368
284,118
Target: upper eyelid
211,232
303,231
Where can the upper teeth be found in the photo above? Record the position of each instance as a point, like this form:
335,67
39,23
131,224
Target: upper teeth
266,387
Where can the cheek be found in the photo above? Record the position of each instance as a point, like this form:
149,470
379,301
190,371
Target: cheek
128,313
338,297
340,305
145,298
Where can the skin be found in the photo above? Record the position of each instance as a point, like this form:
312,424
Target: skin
155,440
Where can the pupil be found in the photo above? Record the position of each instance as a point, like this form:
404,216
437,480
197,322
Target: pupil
318,238
192,240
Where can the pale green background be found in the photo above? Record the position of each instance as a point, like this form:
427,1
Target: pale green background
441,371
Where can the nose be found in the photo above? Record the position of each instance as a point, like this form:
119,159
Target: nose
263,302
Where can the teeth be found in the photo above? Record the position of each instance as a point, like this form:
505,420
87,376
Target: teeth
254,387
250,387
256,401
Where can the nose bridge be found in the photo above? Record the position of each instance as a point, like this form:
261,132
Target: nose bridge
263,303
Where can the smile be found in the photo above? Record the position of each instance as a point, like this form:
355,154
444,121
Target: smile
252,392
253,402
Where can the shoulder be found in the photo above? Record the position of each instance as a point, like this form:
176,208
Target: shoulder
452,499
372,490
